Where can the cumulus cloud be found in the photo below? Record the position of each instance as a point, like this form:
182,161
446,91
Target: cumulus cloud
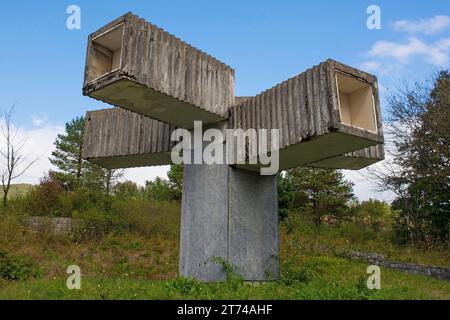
436,53
428,26
370,66
38,145
39,121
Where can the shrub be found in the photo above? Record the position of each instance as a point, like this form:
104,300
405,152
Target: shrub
94,223
43,200
147,218
84,199
14,268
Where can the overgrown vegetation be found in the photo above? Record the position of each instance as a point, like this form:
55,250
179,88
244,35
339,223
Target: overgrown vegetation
124,235
139,260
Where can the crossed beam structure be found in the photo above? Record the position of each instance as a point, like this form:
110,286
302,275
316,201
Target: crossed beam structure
328,116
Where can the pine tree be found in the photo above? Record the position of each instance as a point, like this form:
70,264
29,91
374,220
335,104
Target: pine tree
73,170
317,192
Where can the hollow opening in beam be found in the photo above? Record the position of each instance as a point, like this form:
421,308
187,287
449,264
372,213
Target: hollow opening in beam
356,103
106,50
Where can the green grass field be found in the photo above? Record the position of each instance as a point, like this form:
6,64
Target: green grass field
143,265
19,189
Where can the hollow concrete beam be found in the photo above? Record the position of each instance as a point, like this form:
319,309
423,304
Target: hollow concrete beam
133,64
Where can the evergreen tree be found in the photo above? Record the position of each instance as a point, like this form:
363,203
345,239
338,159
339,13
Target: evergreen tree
175,176
73,170
317,192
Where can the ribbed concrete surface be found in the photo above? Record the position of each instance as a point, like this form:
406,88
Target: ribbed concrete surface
117,138
305,108
174,73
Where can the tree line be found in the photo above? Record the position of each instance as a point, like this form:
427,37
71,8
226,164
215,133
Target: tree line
416,169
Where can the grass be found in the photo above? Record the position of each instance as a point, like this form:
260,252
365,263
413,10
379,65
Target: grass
19,189
331,278
144,265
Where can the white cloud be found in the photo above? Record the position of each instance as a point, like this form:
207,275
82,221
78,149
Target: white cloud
398,51
370,66
140,175
38,145
428,26
365,189
436,53
39,121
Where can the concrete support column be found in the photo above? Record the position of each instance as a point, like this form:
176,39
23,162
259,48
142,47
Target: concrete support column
228,215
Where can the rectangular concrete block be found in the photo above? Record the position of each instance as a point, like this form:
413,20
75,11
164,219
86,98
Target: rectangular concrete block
117,138
253,245
204,222
327,111
354,160
133,64
228,216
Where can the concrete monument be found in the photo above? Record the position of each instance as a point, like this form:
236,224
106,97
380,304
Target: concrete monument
328,116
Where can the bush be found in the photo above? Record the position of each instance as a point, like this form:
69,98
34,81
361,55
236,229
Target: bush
149,219
135,216
93,224
14,268
43,200
127,190
83,199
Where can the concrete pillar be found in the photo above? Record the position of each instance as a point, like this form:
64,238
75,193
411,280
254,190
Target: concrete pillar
228,215
253,245
204,221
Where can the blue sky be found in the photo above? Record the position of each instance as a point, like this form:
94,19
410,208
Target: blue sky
42,62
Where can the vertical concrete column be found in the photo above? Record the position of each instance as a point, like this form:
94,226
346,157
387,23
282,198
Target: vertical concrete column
253,245
204,221
228,215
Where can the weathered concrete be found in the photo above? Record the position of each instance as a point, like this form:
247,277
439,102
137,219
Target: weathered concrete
135,65
328,116
314,115
118,138
354,160
228,216
253,245
58,226
204,222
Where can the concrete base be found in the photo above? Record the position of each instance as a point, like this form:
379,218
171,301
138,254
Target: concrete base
228,216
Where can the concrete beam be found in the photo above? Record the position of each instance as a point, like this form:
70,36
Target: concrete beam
117,138
135,65
354,160
327,111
